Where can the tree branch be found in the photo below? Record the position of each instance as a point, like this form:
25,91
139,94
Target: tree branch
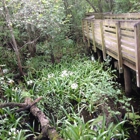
95,10
46,129
31,42
11,104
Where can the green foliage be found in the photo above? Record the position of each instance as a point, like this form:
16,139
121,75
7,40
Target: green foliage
77,84
76,128
73,85
69,87
124,6
8,58
11,126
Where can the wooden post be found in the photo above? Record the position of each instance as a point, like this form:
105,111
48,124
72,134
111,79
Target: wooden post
87,30
118,35
102,37
93,36
137,52
99,54
127,81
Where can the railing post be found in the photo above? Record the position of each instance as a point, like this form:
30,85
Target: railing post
87,30
137,52
118,35
102,37
93,36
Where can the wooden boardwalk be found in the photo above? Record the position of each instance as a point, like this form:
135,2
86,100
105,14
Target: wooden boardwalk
117,36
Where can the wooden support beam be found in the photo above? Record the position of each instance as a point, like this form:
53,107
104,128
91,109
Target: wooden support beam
137,52
102,39
118,35
127,81
99,54
93,36
87,30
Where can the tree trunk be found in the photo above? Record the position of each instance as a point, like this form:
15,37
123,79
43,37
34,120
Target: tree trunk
9,24
31,46
110,5
100,6
66,7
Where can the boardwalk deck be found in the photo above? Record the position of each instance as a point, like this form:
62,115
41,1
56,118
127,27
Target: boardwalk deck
117,36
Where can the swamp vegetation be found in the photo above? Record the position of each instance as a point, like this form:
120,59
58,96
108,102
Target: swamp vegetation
80,98
43,59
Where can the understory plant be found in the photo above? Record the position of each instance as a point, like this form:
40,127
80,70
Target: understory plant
68,88
80,84
77,129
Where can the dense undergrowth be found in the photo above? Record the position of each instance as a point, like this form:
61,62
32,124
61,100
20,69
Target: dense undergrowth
80,98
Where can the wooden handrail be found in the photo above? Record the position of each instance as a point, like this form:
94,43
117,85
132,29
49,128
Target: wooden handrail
118,38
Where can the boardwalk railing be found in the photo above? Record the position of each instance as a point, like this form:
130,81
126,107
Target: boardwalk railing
116,36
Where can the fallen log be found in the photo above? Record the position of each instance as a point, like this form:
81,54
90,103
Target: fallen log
46,129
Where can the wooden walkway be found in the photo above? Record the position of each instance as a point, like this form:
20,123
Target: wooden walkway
117,36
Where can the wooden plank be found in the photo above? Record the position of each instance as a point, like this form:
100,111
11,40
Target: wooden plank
118,36
109,23
90,29
90,36
130,65
128,50
127,24
97,21
98,40
111,54
109,34
102,39
93,34
111,44
111,48
111,39
98,36
97,31
129,39
105,28
126,56
128,33
123,16
128,44
137,52
96,25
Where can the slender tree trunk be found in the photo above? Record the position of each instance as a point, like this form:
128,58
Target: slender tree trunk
9,24
100,6
31,46
110,5
66,7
